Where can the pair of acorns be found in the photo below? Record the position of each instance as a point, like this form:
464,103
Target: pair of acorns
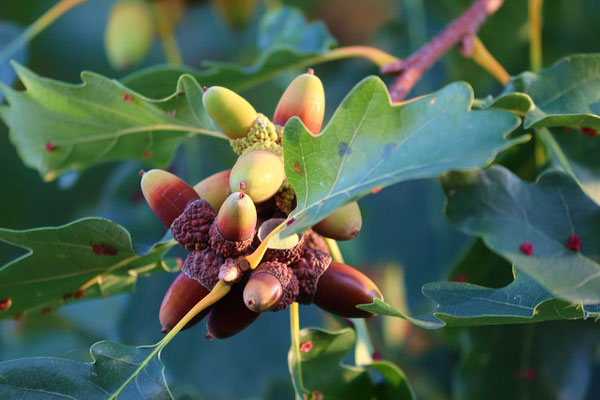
227,216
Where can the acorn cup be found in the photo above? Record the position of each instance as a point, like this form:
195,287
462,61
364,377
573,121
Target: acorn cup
182,295
129,33
259,174
166,194
232,114
214,188
341,288
305,98
229,315
342,224
232,231
286,250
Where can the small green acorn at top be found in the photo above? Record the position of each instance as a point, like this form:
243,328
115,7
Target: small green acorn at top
232,114
129,33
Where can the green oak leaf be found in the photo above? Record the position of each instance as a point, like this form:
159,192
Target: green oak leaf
564,94
88,258
56,378
465,304
57,126
507,212
368,143
542,361
286,42
324,374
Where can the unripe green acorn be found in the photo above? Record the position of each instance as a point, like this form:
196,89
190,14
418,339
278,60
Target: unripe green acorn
214,189
182,295
341,288
262,292
166,194
236,13
259,174
229,315
342,224
129,33
232,114
236,220
305,98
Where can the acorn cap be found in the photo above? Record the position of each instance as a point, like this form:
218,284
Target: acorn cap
259,174
342,224
228,248
308,270
203,266
214,189
341,288
313,240
167,194
305,98
180,298
191,228
230,315
264,294
229,111
287,249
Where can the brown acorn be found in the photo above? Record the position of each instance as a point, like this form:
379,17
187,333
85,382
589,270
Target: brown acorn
341,288
233,229
166,194
286,250
342,224
230,315
214,188
305,98
182,295
272,287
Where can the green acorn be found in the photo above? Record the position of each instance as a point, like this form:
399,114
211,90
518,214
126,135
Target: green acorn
232,231
259,174
129,33
232,114
342,224
236,13
214,189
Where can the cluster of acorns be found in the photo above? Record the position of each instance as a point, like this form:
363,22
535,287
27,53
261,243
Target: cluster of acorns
227,216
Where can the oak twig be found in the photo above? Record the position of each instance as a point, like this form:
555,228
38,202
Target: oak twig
411,69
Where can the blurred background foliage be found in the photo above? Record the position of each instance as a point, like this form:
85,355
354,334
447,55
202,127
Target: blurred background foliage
405,241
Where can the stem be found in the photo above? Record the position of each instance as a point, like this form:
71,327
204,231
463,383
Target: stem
39,25
295,332
471,46
364,349
166,14
535,34
220,290
410,70
376,56
255,258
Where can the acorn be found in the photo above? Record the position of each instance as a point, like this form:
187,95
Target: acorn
313,240
230,315
341,288
167,195
214,189
271,287
233,229
236,13
203,266
286,250
182,295
129,33
232,114
259,174
191,228
308,270
342,224
305,98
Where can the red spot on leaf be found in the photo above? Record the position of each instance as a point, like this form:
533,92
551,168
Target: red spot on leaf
588,131
67,296
290,221
147,154
172,113
46,310
306,346
104,250
462,278
5,304
574,243
79,294
526,248
316,395
527,374
567,129
18,317
127,98
432,101
377,190
50,147
377,356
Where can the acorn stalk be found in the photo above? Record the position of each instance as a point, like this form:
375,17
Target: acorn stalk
232,114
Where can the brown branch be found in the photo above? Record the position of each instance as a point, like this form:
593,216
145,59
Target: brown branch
410,70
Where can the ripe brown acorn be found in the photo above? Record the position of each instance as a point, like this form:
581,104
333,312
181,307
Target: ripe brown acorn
342,224
272,287
214,188
305,98
341,288
230,315
182,295
166,194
